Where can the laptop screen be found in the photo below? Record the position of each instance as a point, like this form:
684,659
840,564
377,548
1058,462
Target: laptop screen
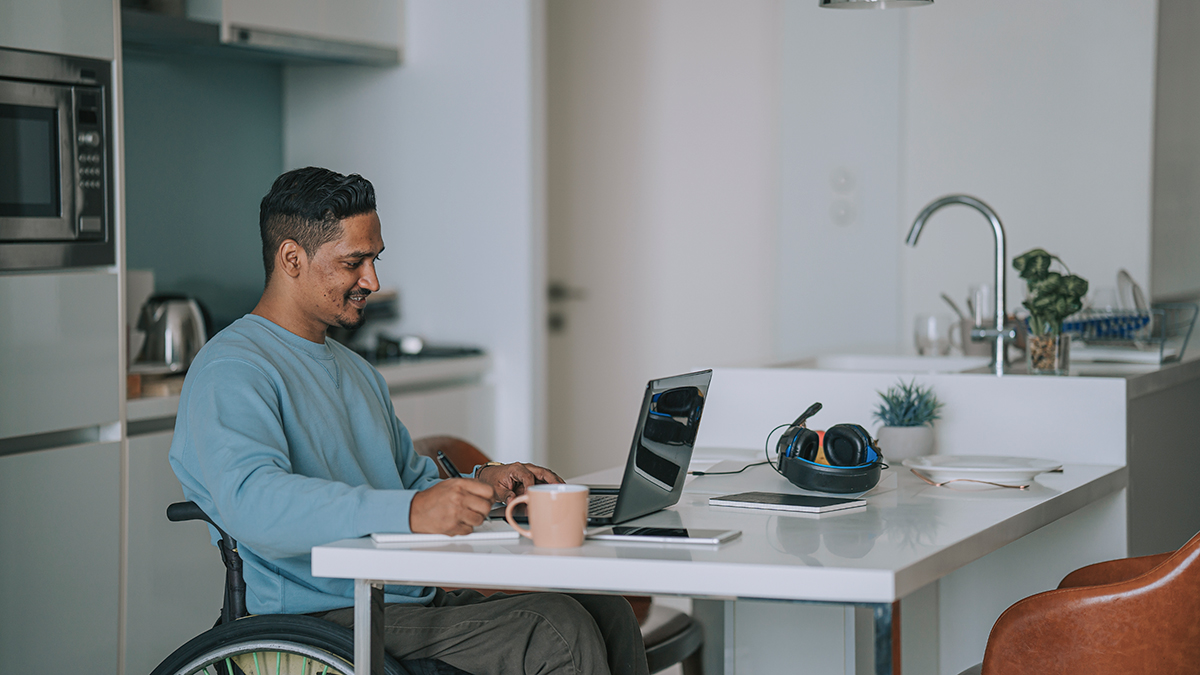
662,444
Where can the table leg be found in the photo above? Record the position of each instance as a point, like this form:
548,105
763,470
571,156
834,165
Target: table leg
368,627
883,638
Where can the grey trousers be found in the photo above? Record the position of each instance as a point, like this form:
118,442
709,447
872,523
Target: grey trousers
542,633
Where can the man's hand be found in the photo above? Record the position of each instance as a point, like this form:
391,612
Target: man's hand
510,480
454,506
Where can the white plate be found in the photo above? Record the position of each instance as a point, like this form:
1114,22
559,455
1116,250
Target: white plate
996,469
1131,294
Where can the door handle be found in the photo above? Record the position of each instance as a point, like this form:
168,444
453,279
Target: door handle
559,291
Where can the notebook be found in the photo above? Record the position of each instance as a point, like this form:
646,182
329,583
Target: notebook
491,530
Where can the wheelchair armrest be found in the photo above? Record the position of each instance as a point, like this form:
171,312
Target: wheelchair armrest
184,511
234,606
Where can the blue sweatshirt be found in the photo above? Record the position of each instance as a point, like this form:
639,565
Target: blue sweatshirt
288,444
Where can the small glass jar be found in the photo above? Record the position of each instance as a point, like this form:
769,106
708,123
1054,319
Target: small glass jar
1048,354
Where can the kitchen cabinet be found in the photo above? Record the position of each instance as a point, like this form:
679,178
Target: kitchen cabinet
463,411
76,27
449,397
59,352
60,512
363,31
175,574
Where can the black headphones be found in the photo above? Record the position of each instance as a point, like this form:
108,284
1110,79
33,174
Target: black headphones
674,416
854,458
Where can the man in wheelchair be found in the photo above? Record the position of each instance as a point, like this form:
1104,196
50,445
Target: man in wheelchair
288,440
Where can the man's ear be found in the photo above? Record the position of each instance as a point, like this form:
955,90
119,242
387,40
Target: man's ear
291,258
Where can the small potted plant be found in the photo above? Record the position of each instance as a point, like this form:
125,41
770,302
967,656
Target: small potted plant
1051,297
907,411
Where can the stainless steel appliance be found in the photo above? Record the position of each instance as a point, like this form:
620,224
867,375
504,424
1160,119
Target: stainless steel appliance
175,332
56,190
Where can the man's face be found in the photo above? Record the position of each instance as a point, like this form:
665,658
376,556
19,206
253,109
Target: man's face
341,273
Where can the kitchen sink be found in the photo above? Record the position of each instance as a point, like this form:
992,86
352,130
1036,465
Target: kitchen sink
892,363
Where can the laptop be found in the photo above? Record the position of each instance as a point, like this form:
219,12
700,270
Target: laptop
658,459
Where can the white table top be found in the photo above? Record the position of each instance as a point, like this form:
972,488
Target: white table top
909,535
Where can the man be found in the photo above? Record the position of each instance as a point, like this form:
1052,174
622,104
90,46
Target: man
288,440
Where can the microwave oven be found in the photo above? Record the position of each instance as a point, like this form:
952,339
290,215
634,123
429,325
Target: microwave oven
56,187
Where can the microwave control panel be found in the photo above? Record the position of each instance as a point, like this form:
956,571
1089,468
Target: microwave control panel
91,169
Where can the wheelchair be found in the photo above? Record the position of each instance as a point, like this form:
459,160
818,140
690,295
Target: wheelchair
270,644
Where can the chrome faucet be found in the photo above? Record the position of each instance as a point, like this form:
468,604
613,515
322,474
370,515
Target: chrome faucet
999,334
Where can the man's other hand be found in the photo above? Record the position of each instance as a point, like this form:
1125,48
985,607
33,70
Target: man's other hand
509,480
454,506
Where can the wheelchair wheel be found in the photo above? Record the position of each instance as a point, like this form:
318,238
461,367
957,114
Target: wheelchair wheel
270,645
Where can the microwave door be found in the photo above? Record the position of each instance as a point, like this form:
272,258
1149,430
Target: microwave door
37,195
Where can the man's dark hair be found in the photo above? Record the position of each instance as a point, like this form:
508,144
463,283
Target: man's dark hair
308,205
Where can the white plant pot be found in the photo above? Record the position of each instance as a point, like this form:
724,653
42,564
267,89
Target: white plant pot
899,443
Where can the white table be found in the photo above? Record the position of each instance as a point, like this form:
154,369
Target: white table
909,535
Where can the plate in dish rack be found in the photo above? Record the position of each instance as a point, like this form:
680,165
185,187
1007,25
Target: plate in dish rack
981,467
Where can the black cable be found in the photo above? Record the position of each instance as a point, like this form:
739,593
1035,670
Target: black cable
767,448
726,473
766,452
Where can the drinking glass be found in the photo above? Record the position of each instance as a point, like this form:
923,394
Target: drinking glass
932,334
982,304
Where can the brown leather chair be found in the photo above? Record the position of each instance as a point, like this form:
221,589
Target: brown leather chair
670,636
1136,615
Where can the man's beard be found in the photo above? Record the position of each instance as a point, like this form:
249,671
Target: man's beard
357,322
352,324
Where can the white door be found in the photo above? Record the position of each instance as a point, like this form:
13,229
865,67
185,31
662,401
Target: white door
661,209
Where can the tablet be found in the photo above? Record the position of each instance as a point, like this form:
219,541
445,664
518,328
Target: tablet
664,535
776,501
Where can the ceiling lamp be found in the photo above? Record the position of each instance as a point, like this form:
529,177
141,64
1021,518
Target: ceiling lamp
873,4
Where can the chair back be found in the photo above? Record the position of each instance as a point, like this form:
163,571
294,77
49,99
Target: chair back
464,455
1139,615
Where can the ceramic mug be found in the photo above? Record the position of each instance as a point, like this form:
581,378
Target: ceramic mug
557,514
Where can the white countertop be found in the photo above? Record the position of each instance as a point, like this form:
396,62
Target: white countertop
909,535
400,376
432,372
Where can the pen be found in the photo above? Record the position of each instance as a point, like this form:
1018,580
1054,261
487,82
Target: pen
451,470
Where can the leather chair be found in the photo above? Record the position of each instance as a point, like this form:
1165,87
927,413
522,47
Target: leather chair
1135,615
670,636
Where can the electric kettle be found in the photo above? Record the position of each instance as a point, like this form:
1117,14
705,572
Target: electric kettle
175,332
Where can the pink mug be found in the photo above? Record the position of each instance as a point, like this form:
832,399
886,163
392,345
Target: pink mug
557,514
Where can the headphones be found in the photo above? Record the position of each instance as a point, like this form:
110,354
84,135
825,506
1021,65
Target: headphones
854,458
674,416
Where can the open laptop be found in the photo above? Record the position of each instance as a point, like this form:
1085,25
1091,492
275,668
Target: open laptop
660,454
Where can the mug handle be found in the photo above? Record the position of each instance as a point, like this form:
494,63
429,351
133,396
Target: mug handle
509,517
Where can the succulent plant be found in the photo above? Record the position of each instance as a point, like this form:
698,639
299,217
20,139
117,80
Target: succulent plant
1052,296
908,405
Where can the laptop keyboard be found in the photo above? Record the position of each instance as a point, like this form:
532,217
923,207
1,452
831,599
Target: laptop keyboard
601,506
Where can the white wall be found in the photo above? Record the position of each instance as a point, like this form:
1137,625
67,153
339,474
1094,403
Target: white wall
451,140
839,180
1044,110
1176,238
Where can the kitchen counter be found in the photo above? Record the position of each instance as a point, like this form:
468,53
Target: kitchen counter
1141,417
403,376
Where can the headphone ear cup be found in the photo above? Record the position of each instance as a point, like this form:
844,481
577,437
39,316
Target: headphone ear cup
808,443
846,445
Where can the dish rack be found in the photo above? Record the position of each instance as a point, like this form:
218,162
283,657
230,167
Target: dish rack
1157,335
